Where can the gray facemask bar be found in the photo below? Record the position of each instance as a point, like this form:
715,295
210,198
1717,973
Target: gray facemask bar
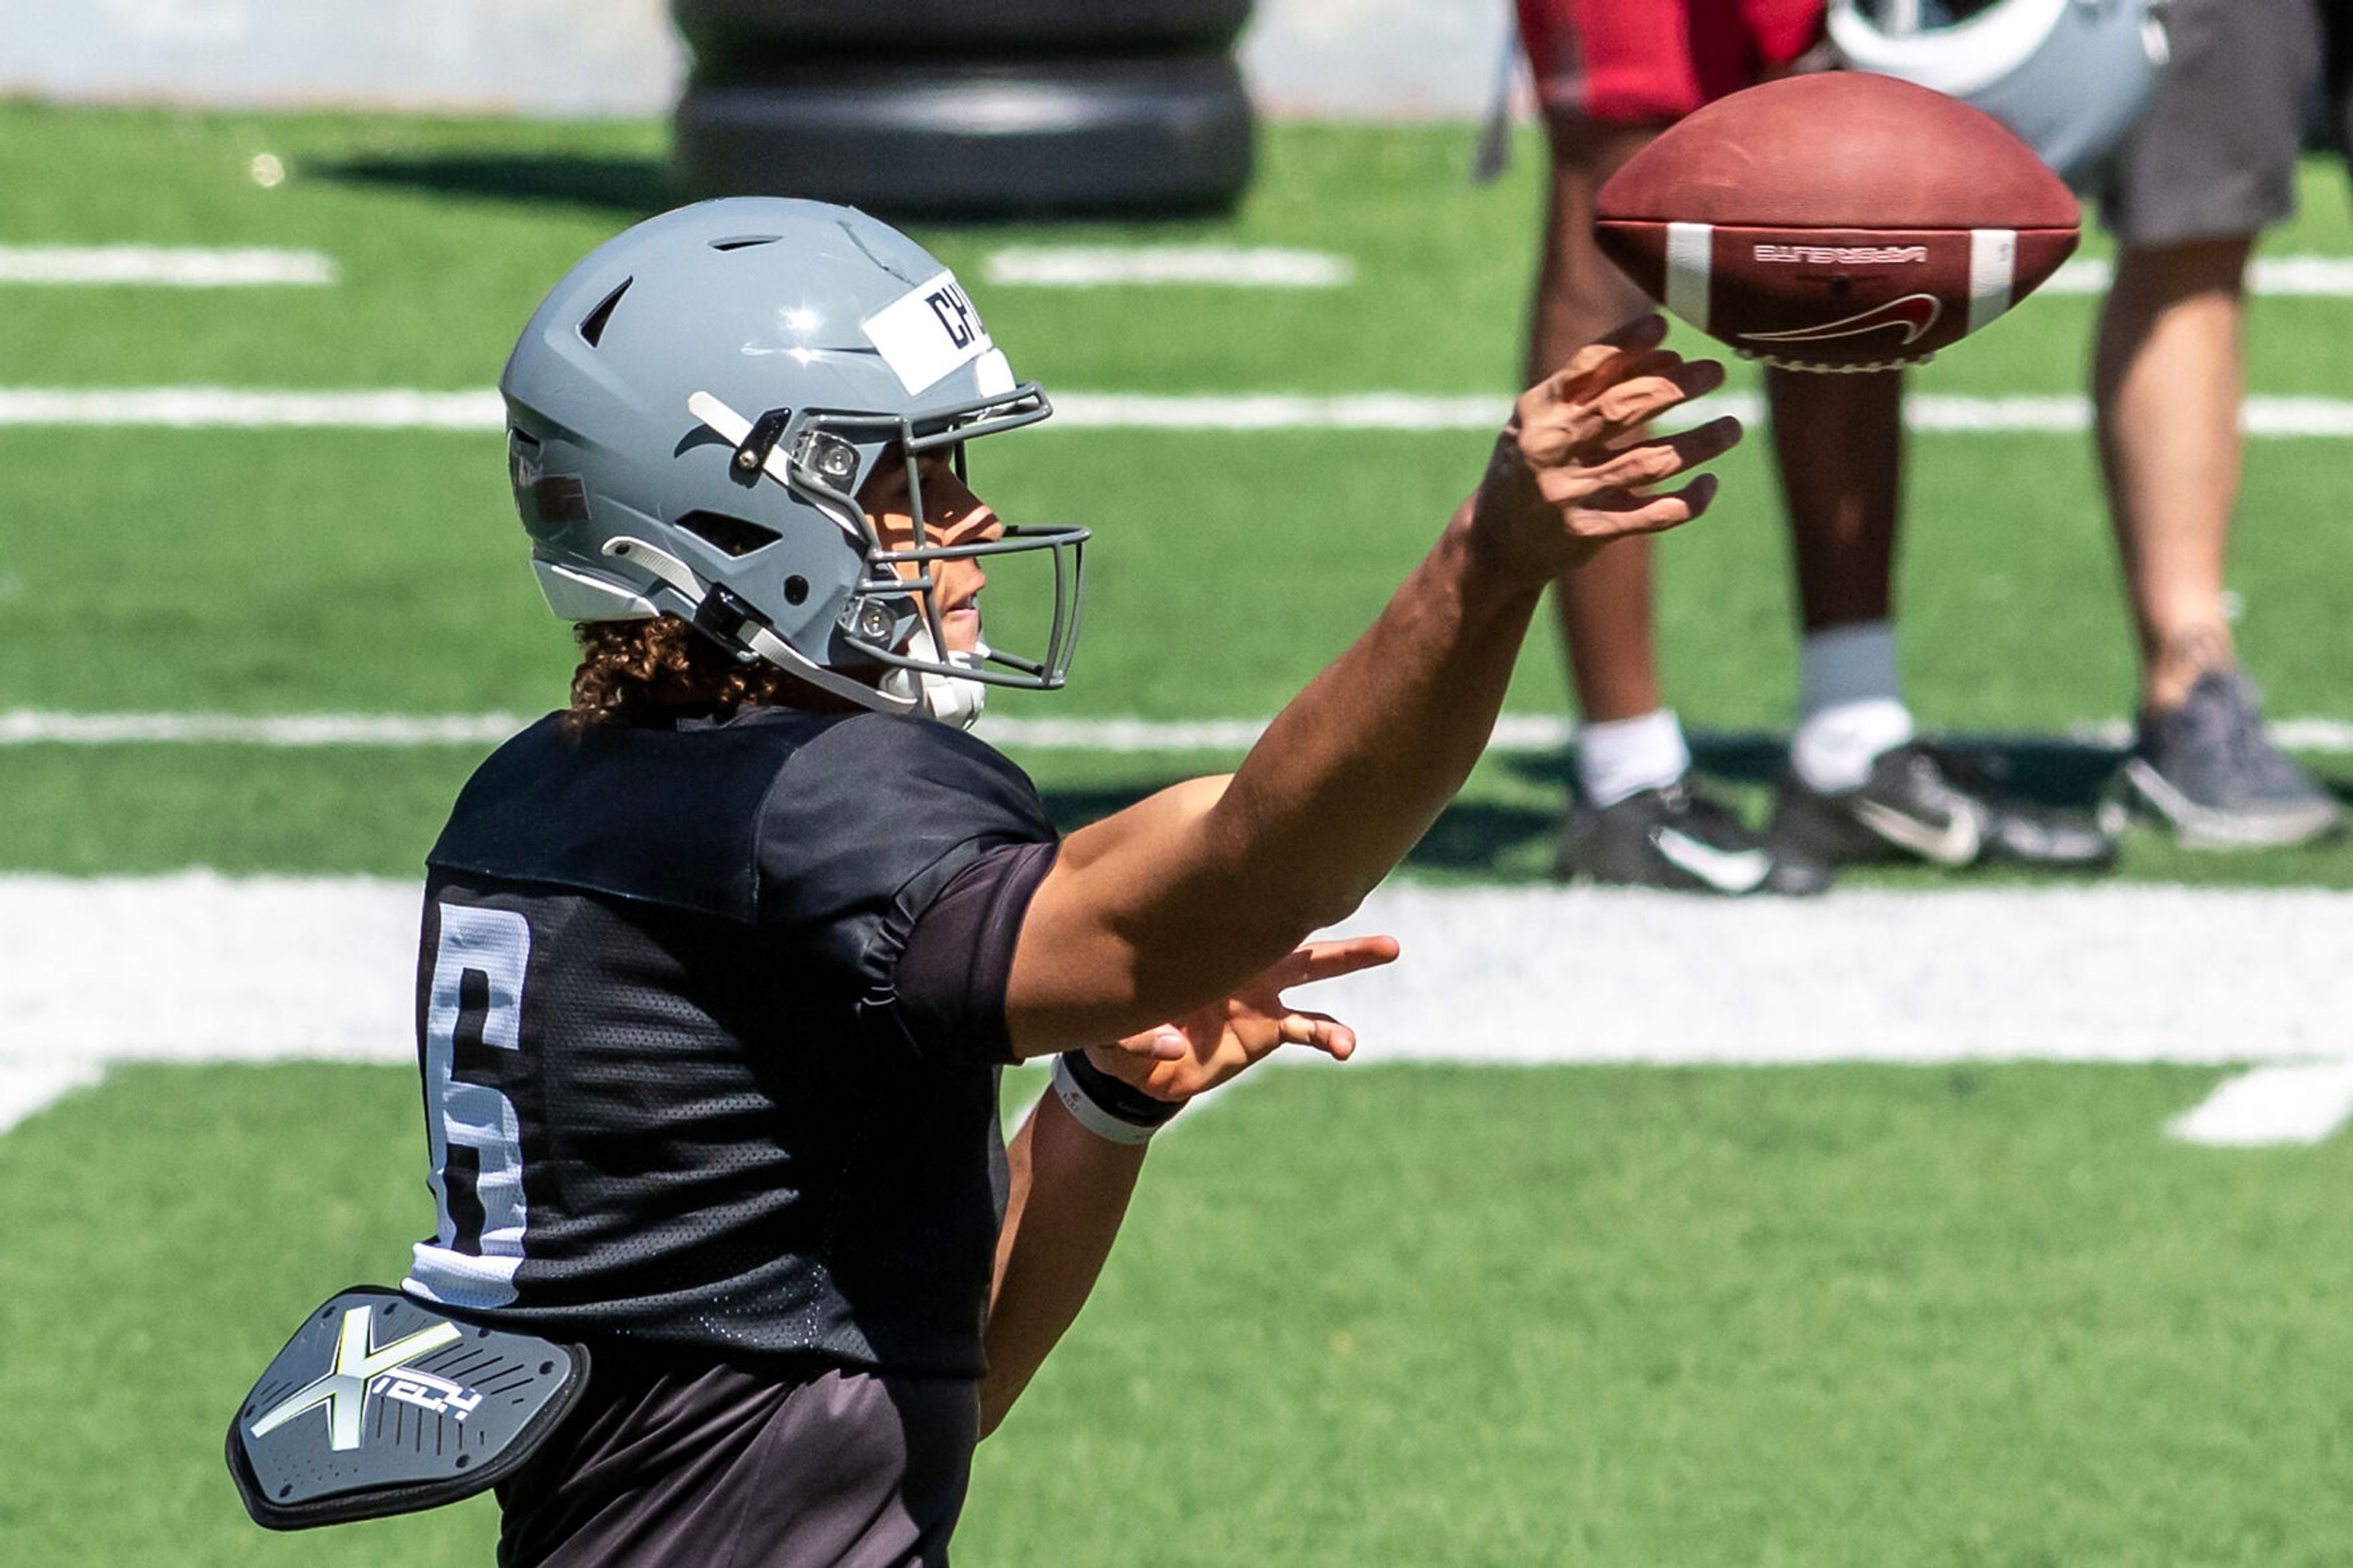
816,452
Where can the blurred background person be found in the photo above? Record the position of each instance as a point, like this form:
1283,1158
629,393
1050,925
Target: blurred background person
2209,166
1609,75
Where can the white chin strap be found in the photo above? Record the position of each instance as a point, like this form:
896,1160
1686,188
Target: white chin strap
951,699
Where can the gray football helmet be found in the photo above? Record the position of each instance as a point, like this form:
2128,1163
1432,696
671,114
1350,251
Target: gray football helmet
2069,77
693,410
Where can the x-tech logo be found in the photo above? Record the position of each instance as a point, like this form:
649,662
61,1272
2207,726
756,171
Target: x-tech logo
343,1389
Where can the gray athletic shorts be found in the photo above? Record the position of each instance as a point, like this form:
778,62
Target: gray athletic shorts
686,1464
2214,157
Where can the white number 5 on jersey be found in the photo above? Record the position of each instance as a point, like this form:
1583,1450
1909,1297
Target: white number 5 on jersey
473,1009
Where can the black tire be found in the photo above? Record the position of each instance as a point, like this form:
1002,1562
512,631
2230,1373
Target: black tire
802,27
994,140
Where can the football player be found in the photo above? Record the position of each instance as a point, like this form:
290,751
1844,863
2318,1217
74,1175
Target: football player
719,966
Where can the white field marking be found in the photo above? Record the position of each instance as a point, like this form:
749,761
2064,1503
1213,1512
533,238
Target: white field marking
200,967
175,267
1514,733
233,408
22,727
1214,265
216,408
2289,277
1277,411
2305,1103
27,1084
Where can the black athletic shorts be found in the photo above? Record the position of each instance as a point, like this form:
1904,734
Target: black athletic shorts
2214,156
682,1462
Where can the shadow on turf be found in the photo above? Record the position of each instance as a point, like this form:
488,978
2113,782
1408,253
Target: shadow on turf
627,188
1489,840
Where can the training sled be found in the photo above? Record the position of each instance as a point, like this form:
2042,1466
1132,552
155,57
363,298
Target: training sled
380,1404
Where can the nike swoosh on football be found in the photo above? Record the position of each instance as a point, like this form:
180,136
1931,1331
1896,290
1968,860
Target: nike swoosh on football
1725,870
1914,314
1955,844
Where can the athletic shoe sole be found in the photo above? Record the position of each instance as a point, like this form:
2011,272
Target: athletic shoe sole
2197,826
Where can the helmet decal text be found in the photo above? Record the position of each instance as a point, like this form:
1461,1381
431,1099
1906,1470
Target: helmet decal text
928,332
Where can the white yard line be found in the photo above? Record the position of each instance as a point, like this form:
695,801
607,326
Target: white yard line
1515,732
199,967
1270,410
2280,277
1212,265
27,1084
22,727
2304,1103
238,408
166,267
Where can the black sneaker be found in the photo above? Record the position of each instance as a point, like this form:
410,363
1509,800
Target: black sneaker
1677,839
2207,768
1911,808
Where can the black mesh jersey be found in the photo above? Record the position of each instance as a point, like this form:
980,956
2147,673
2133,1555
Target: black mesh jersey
671,1092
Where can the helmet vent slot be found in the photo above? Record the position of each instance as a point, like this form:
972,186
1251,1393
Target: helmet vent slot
745,242
729,535
592,328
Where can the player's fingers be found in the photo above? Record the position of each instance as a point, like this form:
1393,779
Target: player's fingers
1164,1043
1317,1031
1636,336
1559,400
1663,457
1330,960
1565,435
1328,1035
1651,514
1631,403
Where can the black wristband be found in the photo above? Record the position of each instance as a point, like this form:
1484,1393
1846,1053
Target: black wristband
1124,1101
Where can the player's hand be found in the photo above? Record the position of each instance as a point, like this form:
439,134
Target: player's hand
1203,1049
1574,469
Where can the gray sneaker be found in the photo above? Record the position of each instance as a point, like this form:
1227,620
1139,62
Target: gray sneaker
2207,768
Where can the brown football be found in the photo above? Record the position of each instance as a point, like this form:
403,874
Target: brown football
1837,221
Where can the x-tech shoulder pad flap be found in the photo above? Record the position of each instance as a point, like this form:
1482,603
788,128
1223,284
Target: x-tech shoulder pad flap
381,1405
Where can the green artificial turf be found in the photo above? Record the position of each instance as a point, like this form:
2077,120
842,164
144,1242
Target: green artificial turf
1610,1316
1818,1317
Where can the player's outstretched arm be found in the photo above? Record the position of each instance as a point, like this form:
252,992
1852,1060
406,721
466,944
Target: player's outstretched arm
1180,897
1070,1187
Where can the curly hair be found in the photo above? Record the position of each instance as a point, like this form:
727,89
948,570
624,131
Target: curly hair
635,672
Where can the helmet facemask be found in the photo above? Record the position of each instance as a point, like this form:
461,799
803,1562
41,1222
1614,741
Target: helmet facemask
890,621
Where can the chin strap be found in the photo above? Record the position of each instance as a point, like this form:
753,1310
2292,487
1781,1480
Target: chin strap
679,579
954,700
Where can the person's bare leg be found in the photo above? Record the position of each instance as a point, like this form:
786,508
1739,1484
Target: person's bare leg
1838,441
1604,606
1860,790
2167,379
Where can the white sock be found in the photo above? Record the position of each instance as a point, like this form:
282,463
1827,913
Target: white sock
1850,706
1620,757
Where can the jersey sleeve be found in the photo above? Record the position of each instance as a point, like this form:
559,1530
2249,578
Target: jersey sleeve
863,831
